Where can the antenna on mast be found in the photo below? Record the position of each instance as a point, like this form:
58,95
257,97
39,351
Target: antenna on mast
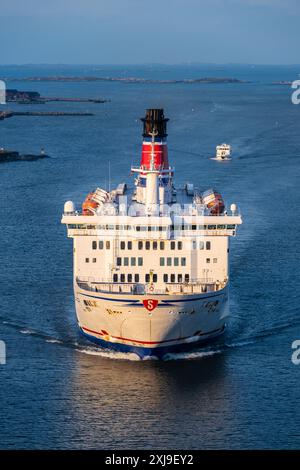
109,176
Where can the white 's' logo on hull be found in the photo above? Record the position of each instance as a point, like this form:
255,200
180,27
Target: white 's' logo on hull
150,304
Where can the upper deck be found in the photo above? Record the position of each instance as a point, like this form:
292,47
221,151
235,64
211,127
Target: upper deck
122,216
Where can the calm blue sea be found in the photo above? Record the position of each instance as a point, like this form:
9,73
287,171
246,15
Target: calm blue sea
59,392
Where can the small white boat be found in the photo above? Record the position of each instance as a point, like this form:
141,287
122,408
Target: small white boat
223,152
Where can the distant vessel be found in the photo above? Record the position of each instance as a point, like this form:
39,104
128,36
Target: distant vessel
223,152
151,271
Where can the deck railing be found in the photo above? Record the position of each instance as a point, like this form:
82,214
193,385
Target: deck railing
176,288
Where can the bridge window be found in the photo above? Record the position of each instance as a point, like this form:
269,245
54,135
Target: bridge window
179,245
122,245
101,245
169,261
165,278
154,277
208,260
208,245
147,277
140,261
107,245
172,277
176,261
154,245
172,245
147,245
94,245
183,261
161,261
87,260
132,261
115,278
126,261
162,245
119,261
129,245
179,278
122,278
129,278
186,278
136,278
140,245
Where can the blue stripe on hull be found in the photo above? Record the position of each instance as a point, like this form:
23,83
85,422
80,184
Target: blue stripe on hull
136,303
142,352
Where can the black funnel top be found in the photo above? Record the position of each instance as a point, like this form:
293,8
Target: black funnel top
155,122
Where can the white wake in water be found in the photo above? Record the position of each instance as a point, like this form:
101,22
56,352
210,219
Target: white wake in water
109,354
203,353
191,355
54,340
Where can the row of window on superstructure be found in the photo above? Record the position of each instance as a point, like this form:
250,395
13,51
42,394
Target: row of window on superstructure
152,228
147,278
168,261
151,245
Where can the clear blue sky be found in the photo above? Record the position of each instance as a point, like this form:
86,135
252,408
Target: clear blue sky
139,31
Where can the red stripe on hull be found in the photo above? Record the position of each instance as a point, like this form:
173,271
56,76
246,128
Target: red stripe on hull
145,342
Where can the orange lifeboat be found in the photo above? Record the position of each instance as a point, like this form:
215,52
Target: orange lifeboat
213,201
89,206
93,201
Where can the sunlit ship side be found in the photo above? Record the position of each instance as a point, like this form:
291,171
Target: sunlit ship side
151,267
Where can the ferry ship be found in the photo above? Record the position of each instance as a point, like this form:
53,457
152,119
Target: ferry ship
151,271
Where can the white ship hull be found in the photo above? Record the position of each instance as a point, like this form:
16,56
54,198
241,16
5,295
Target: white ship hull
179,322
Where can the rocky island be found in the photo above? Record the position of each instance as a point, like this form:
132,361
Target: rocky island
8,114
33,97
14,156
128,79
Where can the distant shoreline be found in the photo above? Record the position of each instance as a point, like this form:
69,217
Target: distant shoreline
126,79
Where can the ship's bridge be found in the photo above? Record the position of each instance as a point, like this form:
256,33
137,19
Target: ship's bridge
122,215
159,227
